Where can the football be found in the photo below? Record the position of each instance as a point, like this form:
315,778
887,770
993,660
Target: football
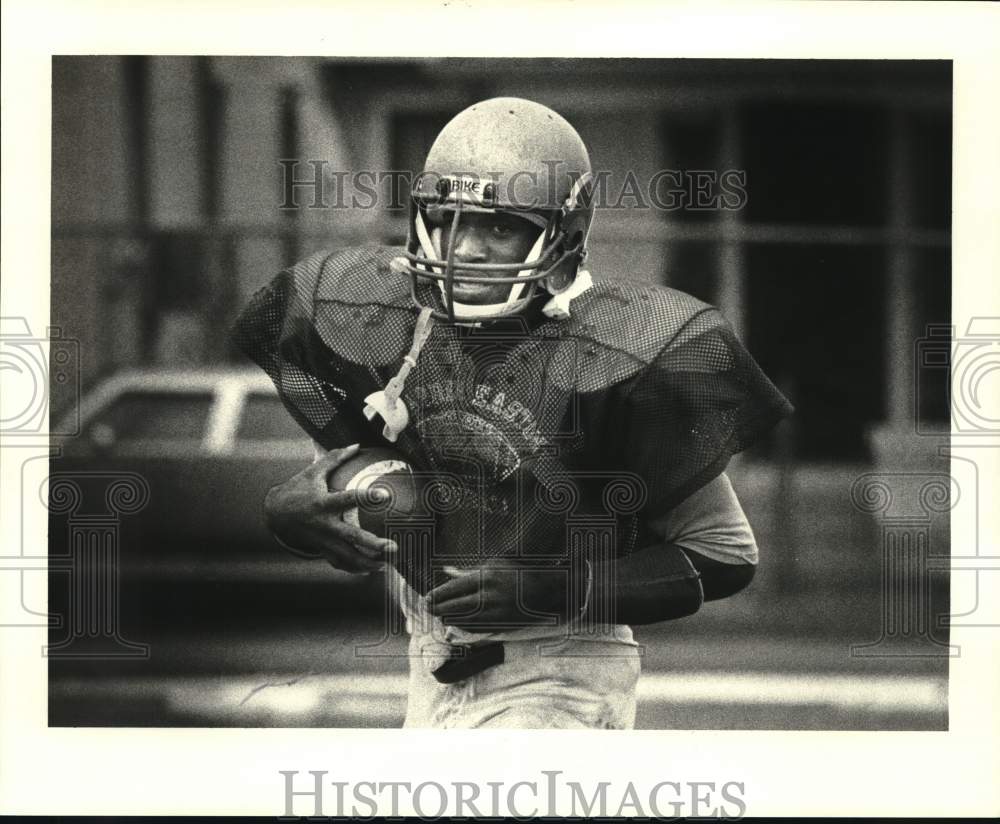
381,469
387,482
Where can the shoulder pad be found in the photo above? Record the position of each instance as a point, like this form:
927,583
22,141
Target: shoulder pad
638,318
347,296
359,275
619,328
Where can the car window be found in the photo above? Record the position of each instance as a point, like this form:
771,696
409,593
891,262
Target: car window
266,419
154,416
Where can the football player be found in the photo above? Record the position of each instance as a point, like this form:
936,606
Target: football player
576,430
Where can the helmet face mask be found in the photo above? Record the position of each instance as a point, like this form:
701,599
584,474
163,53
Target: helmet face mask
502,156
494,237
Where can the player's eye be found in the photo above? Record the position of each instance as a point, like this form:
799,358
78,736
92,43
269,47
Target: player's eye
502,229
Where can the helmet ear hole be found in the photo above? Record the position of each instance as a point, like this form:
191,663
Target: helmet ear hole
563,277
558,281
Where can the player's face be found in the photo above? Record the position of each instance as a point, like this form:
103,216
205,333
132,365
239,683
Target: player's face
487,238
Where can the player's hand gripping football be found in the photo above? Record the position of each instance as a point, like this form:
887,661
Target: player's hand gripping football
305,517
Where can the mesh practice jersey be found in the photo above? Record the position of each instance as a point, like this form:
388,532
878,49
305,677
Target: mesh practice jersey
529,426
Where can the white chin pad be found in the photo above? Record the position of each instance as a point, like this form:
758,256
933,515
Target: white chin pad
513,303
430,245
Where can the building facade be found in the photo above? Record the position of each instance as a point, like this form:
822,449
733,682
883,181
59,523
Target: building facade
181,184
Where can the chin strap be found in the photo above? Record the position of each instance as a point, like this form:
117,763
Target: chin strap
387,402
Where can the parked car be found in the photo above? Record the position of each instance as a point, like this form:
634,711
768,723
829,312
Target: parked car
207,444
156,534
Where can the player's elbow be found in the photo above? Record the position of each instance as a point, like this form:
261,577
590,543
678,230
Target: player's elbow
720,579
726,580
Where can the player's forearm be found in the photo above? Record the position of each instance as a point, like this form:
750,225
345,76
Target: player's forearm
661,583
655,584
